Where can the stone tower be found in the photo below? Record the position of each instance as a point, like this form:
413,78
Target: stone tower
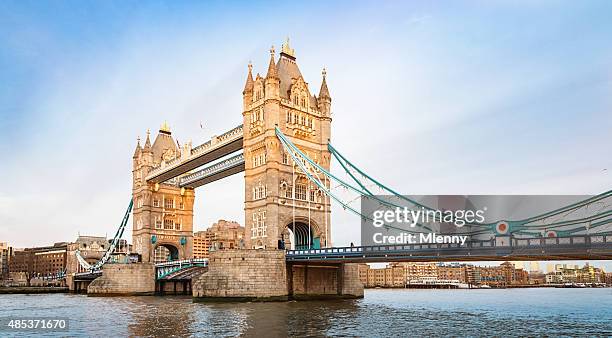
163,212
280,202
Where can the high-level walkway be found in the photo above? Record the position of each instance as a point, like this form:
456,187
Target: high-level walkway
215,149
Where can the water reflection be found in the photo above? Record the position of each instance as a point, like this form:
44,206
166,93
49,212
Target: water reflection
523,312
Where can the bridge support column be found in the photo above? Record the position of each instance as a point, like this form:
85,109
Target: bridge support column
243,275
324,281
124,279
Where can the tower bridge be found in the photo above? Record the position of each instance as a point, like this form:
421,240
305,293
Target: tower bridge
284,149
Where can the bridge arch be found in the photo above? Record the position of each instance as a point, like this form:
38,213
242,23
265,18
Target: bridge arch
299,234
164,252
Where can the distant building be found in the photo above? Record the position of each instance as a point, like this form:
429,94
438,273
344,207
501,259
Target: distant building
417,270
221,235
537,277
363,273
503,275
564,273
5,254
92,248
38,262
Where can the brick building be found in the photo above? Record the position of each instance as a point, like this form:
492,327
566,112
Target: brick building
37,262
221,235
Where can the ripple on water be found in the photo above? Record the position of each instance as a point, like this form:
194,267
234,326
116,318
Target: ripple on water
384,313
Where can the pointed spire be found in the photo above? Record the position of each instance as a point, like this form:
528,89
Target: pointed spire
147,146
165,128
138,148
324,92
287,50
272,73
248,86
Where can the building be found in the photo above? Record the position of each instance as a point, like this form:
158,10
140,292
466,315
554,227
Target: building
92,248
221,235
162,213
280,202
419,270
456,272
537,278
38,262
564,273
363,273
5,255
503,275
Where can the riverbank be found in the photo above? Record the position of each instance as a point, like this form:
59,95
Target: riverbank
32,290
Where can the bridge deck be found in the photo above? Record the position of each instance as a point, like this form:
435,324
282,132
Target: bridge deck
576,248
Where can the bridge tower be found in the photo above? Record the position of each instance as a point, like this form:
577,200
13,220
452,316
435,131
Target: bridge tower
280,202
163,212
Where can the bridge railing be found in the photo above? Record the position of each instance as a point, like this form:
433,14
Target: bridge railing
573,241
167,268
182,262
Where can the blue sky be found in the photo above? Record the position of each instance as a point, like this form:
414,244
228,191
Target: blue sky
481,97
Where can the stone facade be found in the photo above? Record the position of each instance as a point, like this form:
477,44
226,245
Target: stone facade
278,198
325,281
351,284
163,213
237,275
124,279
243,275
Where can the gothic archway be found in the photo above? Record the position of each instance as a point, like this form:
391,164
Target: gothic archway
301,236
165,252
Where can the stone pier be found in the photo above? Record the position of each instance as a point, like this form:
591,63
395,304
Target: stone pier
124,280
243,275
329,281
264,275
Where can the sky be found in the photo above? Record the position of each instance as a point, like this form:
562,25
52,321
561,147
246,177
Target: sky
478,97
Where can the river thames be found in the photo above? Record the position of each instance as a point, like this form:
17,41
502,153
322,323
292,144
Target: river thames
382,313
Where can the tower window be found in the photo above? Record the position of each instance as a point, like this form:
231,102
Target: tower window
259,192
258,228
168,224
259,160
300,192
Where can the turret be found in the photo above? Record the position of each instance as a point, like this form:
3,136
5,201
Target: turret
247,93
136,156
147,153
272,82
324,100
138,149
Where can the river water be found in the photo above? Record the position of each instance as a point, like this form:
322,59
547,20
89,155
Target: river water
382,313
